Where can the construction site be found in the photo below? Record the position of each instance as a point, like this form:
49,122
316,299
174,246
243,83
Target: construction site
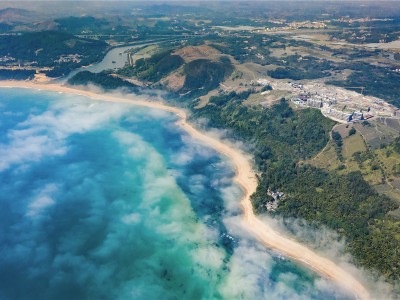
337,103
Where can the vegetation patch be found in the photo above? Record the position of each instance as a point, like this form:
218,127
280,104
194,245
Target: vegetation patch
103,80
82,25
154,68
352,144
296,74
16,74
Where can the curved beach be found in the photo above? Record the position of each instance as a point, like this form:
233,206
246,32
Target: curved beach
245,177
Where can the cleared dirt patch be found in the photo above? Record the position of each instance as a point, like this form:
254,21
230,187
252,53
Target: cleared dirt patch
392,193
197,52
266,99
327,159
343,129
206,98
174,81
390,122
378,132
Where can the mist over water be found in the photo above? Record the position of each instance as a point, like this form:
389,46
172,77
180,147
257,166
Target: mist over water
110,201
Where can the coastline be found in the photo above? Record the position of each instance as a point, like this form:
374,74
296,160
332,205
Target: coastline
245,177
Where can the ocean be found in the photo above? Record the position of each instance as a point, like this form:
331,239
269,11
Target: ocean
110,201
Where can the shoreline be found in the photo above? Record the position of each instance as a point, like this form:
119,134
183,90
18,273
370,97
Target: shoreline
245,177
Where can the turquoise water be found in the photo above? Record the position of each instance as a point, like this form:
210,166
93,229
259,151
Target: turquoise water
108,201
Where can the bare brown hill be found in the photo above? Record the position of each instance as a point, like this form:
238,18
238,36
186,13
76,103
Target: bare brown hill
197,52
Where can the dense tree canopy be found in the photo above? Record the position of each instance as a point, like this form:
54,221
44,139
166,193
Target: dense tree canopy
280,139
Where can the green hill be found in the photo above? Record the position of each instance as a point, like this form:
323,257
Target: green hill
203,75
200,75
156,67
52,49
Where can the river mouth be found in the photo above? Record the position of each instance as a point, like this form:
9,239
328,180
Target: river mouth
114,59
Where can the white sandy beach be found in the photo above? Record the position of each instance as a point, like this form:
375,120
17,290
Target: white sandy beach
245,177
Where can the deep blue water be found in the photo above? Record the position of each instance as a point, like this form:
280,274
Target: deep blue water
109,201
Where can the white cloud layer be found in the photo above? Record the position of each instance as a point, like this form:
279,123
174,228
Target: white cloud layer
44,135
42,200
136,245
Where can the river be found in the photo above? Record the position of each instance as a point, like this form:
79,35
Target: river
114,59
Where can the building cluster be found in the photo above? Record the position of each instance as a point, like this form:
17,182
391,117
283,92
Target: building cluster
361,20
75,58
260,56
277,196
6,58
330,106
11,34
296,25
262,81
348,115
340,105
278,21
314,100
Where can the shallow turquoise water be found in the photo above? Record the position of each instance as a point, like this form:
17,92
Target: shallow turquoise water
108,201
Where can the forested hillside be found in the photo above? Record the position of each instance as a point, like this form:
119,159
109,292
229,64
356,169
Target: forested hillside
346,203
56,49
155,67
103,80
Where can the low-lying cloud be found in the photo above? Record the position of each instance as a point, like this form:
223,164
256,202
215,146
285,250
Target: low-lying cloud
42,200
44,134
125,230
